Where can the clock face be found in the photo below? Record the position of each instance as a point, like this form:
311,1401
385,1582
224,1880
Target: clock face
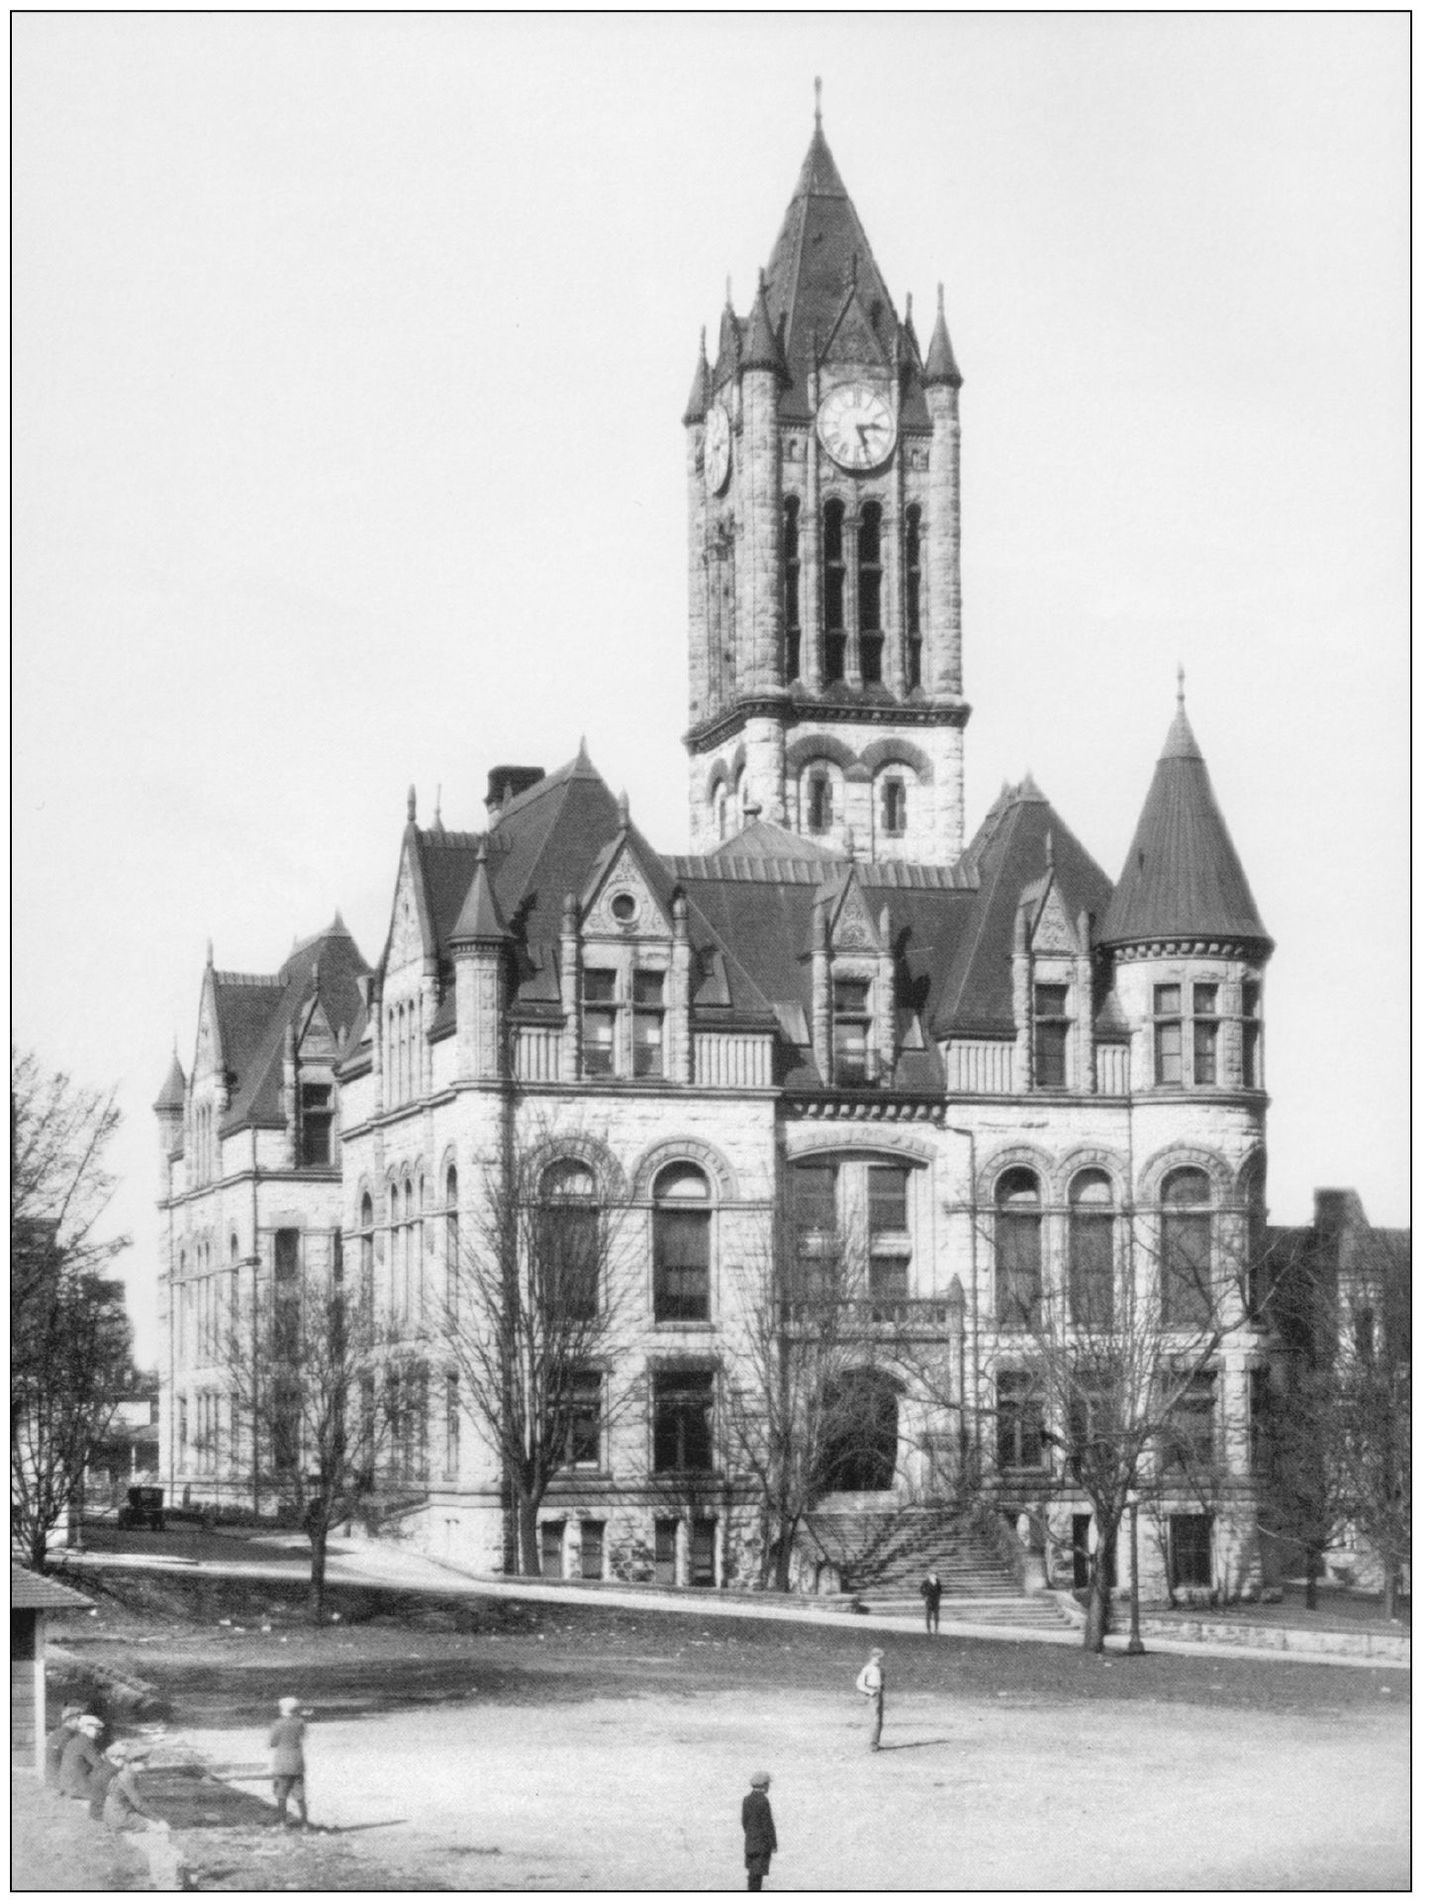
856,426
717,448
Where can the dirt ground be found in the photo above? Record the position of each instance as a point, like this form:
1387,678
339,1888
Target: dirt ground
596,1748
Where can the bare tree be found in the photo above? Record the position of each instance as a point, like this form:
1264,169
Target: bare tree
1374,1386
534,1315
69,1335
1112,1363
323,1394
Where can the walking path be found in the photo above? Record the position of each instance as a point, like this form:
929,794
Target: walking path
378,1565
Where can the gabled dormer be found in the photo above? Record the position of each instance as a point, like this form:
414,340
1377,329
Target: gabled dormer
853,974
1052,986
406,998
626,968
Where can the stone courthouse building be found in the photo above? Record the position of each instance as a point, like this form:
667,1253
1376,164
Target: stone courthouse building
983,1063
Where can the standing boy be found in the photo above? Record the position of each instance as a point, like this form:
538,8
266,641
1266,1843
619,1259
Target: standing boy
871,1683
759,1832
286,1743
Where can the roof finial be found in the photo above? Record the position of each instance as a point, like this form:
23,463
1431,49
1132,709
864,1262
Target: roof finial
817,88
729,290
908,308
1050,852
209,951
941,300
482,853
438,809
1180,685
702,346
623,818
412,803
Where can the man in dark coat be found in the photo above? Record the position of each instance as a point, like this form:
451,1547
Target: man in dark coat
931,1594
758,1830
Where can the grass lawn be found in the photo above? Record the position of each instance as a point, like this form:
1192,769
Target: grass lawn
574,1747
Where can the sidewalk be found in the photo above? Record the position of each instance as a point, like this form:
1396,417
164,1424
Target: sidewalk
371,1564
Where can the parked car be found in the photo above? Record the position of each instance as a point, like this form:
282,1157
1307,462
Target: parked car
144,1508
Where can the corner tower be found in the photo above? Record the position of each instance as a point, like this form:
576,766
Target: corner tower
824,512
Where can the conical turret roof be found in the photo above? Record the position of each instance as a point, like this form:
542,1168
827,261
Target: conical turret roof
1183,878
171,1092
697,397
760,349
480,922
941,358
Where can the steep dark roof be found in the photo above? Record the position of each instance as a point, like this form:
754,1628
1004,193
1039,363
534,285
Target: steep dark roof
255,1014
941,358
1009,852
479,920
1182,878
820,267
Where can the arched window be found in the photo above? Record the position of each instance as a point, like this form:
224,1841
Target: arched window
819,801
408,1250
868,590
860,1411
893,806
719,811
1092,1251
566,1239
791,586
913,596
682,1245
833,593
1185,1249
450,1241
1018,1249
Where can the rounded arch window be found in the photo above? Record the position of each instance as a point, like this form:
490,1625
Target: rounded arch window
1186,1248
567,1240
682,1244
1092,1250
1018,1248
450,1238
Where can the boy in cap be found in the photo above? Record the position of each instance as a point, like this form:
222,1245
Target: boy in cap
286,1743
871,1684
81,1757
759,1832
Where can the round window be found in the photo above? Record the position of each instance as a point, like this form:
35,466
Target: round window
623,908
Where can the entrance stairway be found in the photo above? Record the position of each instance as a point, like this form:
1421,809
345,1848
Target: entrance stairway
882,1556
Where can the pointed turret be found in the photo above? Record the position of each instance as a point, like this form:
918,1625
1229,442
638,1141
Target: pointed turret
700,394
760,349
480,922
941,358
1182,878
171,1092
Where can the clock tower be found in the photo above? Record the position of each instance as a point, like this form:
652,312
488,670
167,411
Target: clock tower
824,584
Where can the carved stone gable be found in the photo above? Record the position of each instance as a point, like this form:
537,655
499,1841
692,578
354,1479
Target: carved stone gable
625,905
1054,931
853,928
405,946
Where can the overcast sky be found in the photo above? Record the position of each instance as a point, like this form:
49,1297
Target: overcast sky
349,358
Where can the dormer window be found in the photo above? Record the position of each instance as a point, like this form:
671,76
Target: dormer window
851,1000
316,1124
599,1021
1052,1030
648,1019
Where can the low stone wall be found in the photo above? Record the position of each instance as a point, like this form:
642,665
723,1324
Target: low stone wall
1344,1643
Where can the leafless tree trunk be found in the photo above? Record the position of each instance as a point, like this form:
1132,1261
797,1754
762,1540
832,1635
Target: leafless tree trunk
533,1314
69,1335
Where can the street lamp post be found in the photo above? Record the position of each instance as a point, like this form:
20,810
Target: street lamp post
1135,1644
